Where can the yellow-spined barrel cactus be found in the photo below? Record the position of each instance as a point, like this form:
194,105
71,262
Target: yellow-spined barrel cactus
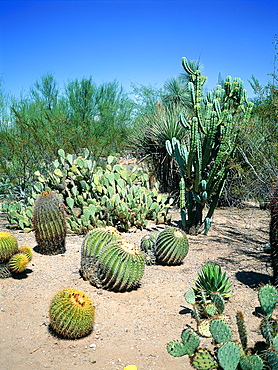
28,251
121,265
8,246
72,313
171,246
18,263
49,223
91,248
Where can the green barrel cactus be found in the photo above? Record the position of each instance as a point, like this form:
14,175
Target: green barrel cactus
8,246
49,223
171,246
121,265
72,313
28,251
92,245
18,263
147,246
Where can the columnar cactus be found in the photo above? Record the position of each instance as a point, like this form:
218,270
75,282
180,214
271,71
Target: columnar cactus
274,232
171,246
49,223
204,160
72,313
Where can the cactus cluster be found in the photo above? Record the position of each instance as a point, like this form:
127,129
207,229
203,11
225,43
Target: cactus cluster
109,261
169,246
96,196
13,259
72,313
49,223
230,354
204,159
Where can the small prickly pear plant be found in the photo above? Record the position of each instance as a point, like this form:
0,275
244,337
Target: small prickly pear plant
8,246
204,159
91,248
49,223
72,313
229,354
273,232
171,246
18,262
121,266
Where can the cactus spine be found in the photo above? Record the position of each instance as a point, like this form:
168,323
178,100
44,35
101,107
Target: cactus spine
72,313
204,163
49,223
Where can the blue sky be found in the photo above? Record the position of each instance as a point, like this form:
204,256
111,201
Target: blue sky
135,41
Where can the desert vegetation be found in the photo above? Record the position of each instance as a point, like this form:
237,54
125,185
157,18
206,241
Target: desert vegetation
95,162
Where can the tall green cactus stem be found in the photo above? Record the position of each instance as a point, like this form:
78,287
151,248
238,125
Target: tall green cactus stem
92,245
241,329
204,159
72,313
49,223
8,246
171,246
121,266
273,232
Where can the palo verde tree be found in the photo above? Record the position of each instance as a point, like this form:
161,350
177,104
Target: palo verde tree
204,157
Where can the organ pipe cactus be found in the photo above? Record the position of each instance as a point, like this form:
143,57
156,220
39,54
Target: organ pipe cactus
204,158
49,223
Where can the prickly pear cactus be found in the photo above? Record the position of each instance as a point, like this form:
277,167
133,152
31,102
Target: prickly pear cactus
229,355
8,246
188,345
273,231
268,296
220,331
171,246
121,266
72,313
92,246
49,223
203,360
18,263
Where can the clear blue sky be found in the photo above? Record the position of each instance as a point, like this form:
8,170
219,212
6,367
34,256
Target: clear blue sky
135,41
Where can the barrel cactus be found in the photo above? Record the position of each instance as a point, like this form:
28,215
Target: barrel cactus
49,223
121,265
147,246
18,263
171,246
92,245
8,246
28,251
72,313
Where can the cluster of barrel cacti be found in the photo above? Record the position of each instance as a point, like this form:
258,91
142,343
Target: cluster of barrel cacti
13,259
111,262
169,246
71,313
230,354
212,136
273,232
96,196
